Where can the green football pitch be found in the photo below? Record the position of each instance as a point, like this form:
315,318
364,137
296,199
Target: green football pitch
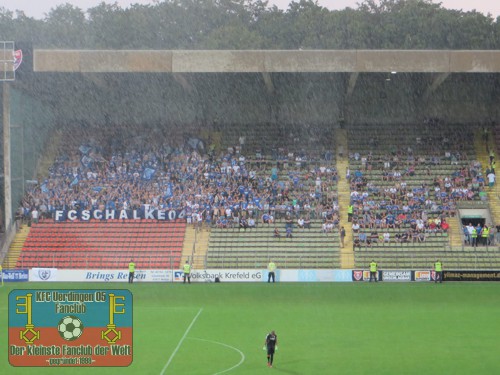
322,328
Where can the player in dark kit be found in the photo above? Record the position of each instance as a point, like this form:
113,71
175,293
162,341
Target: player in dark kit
271,344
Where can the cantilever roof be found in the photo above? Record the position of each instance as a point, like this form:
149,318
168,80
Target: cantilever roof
266,61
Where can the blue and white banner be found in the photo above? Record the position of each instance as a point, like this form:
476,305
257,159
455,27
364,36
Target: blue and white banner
110,214
15,275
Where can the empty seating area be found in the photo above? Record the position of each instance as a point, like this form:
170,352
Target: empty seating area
104,244
253,248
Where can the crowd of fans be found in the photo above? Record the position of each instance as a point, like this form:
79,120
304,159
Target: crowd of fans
225,188
410,192
228,189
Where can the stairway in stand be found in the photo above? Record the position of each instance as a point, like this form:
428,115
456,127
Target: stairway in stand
455,235
201,248
196,245
344,194
16,246
483,157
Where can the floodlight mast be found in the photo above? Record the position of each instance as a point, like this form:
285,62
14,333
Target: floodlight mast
7,61
8,64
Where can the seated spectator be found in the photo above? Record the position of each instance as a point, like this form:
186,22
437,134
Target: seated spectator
300,223
432,226
421,237
387,237
267,219
445,226
289,232
362,237
251,222
355,227
357,243
307,223
244,223
327,227
221,222
276,233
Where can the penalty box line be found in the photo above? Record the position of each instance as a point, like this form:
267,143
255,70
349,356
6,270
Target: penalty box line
180,342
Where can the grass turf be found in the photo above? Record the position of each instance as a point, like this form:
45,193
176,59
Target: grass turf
322,328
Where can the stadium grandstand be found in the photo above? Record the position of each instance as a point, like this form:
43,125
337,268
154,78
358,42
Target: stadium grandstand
229,159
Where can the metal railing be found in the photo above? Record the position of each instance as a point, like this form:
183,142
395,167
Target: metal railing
96,260
468,258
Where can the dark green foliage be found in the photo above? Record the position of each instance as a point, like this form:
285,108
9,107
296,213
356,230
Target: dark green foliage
252,24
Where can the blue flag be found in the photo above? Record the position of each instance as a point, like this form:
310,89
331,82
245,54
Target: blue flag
148,173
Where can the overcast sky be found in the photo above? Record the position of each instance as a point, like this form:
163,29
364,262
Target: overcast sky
38,8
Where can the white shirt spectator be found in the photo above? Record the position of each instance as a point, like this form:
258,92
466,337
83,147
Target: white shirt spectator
34,215
387,237
491,178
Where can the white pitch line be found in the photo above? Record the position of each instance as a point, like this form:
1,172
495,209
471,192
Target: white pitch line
180,342
227,346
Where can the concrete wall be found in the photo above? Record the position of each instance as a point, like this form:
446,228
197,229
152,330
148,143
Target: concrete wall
184,61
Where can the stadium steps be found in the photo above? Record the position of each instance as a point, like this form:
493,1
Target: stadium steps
16,247
189,244
483,157
309,248
201,249
455,231
344,194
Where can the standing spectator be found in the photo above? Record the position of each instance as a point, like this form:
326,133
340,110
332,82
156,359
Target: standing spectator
34,215
438,270
491,179
271,268
470,230
479,231
350,210
485,234
491,233
242,142
466,235
473,237
373,271
498,234
187,272
342,236
131,271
